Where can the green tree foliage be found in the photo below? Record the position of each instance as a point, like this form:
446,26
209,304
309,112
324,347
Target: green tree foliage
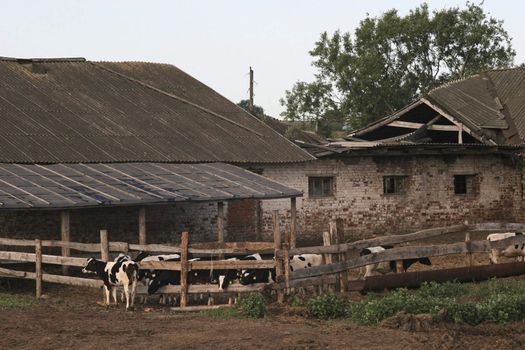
245,104
391,60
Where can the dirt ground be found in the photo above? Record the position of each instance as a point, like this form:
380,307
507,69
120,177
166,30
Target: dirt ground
69,317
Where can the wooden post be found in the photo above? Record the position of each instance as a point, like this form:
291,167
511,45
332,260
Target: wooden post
104,245
293,222
327,258
286,247
399,266
326,242
184,269
38,267
278,246
337,237
65,237
142,225
250,105
469,254
220,222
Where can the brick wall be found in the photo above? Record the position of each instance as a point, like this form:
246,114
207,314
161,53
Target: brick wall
163,223
429,198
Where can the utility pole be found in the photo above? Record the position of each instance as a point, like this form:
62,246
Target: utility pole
251,90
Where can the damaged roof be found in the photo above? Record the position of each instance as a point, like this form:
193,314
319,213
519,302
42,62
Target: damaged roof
73,110
489,104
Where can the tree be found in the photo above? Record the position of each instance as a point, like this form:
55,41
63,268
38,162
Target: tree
391,60
245,104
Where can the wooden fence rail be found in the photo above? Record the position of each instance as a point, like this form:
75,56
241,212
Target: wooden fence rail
401,253
197,248
358,245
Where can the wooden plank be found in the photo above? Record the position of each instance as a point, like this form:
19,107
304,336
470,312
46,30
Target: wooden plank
207,265
278,260
460,274
46,259
38,268
207,288
409,253
199,308
386,240
293,222
73,281
468,256
83,247
413,125
142,225
184,270
104,245
65,237
498,226
17,242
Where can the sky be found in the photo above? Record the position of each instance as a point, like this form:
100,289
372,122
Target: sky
215,41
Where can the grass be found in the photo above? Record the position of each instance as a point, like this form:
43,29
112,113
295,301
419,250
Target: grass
15,301
498,301
225,313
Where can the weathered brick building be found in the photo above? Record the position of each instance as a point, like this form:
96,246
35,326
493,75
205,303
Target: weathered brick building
451,156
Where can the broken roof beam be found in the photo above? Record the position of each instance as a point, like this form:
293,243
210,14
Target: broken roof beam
413,125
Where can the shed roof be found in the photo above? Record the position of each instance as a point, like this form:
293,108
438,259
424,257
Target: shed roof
28,186
73,110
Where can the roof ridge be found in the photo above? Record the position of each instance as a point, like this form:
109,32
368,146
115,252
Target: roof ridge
181,99
43,59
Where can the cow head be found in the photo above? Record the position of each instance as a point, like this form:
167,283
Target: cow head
226,277
91,266
142,255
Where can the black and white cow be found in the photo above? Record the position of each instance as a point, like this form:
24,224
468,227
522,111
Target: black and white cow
302,261
512,251
122,273
388,266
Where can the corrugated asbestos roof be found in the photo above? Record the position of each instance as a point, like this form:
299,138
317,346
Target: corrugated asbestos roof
72,110
24,186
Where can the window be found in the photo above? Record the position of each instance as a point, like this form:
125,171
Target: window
320,186
393,184
464,184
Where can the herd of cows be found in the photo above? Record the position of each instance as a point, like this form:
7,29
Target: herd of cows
125,271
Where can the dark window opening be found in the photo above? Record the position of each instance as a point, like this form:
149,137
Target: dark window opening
320,187
393,184
463,184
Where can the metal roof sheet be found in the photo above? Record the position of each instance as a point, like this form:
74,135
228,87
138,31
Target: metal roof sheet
28,186
72,110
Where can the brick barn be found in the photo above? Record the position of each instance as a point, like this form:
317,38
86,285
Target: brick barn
452,155
129,147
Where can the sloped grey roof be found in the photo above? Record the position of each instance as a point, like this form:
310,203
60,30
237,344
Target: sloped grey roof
73,110
31,186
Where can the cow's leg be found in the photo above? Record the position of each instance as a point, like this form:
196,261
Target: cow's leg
106,295
493,256
133,291
126,293
114,293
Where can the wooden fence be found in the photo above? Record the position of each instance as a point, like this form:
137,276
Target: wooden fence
332,272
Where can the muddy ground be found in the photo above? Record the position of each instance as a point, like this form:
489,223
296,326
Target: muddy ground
70,317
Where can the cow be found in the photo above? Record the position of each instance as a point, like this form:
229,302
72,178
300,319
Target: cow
302,261
512,251
388,266
122,273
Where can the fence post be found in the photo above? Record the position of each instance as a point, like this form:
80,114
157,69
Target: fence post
469,254
327,240
278,260
142,225
286,248
65,237
38,268
184,269
293,222
104,245
336,237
